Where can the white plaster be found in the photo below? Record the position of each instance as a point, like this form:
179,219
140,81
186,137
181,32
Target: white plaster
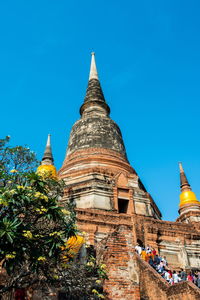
93,200
194,261
93,68
100,236
49,141
140,208
133,183
172,257
84,166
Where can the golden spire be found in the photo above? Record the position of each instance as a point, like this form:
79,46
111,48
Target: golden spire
186,196
47,167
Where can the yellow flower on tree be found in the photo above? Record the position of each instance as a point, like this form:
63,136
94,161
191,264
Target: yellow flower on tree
90,264
41,258
98,281
13,171
27,234
12,192
3,202
65,211
56,233
41,210
103,266
10,256
20,187
39,195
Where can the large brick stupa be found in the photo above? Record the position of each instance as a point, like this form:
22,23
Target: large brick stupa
115,210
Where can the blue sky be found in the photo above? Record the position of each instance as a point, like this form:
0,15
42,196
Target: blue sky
148,59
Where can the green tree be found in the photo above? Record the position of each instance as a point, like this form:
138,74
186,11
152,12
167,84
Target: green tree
33,230
34,233
17,159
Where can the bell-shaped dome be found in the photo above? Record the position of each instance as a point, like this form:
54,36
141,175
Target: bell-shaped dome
95,129
187,196
48,170
96,132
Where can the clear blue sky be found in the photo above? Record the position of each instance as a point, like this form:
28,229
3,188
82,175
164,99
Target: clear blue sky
148,59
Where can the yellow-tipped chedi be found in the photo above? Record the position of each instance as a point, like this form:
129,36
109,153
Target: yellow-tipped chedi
47,170
188,197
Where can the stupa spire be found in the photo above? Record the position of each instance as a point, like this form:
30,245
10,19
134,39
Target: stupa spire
184,184
95,129
93,68
94,102
48,156
47,167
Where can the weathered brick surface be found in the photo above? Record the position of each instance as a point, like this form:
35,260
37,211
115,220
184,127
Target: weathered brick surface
122,269
99,178
132,278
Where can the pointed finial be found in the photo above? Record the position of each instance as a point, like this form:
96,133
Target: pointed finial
46,167
185,186
181,167
49,140
94,94
48,157
93,68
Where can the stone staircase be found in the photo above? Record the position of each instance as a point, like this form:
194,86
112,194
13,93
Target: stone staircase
131,278
154,287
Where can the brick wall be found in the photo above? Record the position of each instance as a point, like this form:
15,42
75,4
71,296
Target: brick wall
122,269
131,278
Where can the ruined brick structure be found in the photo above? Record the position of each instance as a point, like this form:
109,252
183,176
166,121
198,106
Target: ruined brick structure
114,208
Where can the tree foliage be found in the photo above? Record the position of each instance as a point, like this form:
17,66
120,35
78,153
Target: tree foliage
35,229
18,159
